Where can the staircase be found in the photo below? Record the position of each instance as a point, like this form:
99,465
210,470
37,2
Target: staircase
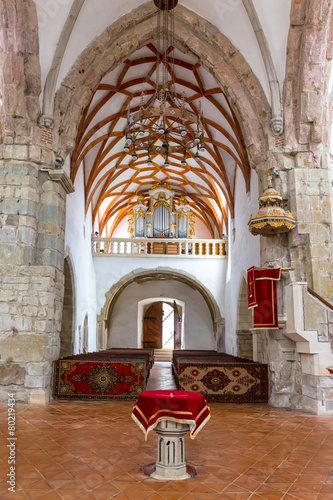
164,355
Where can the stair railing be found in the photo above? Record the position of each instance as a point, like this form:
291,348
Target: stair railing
315,294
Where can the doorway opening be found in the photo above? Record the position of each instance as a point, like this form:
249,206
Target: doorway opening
163,325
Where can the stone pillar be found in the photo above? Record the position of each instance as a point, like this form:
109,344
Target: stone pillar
31,279
55,185
311,203
19,198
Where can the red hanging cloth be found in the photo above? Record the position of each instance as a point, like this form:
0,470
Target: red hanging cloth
261,291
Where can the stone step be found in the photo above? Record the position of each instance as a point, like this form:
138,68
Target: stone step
313,347
163,355
303,336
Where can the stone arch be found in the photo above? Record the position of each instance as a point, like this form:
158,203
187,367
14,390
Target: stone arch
244,323
143,275
67,333
193,35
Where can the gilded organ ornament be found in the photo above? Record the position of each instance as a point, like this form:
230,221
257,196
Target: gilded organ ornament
160,216
131,224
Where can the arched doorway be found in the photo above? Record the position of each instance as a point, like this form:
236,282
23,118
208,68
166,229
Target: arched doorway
67,332
162,325
152,326
120,322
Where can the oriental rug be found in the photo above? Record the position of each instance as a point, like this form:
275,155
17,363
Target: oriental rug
228,383
98,380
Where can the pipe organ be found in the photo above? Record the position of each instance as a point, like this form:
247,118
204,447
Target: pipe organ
161,217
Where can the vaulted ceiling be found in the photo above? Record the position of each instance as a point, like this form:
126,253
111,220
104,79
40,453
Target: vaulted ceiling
113,179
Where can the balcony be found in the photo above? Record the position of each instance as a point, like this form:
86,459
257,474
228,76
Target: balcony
153,247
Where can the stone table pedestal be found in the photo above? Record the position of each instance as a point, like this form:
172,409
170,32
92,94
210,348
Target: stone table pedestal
171,463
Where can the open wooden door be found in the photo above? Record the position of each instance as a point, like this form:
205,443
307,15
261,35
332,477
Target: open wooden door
152,326
177,327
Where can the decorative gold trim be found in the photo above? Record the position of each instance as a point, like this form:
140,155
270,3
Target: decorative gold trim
165,185
139,213
191,228
162,202
131,223
176,420
182,214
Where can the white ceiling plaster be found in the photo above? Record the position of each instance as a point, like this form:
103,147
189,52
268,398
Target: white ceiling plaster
228,15
274,16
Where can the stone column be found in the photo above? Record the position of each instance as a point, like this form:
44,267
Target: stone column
31,278
54,186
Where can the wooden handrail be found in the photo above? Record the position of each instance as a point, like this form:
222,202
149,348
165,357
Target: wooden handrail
315,294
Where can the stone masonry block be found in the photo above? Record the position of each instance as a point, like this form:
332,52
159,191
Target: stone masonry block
12,374
21,395
22,347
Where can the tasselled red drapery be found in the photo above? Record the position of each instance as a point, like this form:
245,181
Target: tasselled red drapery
261,288
179,406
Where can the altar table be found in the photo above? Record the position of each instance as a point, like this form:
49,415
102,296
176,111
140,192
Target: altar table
172,414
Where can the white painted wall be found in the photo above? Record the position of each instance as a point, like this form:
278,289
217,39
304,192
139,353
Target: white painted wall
244,253
274,16
198,324
209,272
78,247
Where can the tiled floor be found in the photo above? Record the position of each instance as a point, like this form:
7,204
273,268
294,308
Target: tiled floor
94,450
161,377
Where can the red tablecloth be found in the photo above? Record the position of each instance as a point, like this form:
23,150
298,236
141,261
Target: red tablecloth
179,406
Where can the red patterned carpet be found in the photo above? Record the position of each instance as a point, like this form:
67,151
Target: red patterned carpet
79,379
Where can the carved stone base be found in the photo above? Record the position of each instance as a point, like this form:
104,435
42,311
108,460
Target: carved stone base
171,463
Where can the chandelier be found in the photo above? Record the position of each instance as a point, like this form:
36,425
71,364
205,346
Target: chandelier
165,126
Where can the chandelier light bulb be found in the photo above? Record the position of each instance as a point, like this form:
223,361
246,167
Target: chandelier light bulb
141,131
197,139
183,162
134,155
149,162
197,156
183,132
202,147
129,139
126,147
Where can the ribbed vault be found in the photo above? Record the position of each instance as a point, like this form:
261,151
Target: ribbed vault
113,179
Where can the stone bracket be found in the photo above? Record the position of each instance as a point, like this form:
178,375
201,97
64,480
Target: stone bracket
60,176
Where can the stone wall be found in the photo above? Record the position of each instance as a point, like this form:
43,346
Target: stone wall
30,318
31,277
244,325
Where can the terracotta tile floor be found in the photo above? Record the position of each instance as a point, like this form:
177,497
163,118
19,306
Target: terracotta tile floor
94,450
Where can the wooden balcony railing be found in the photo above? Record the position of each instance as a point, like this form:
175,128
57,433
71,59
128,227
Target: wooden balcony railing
151,247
